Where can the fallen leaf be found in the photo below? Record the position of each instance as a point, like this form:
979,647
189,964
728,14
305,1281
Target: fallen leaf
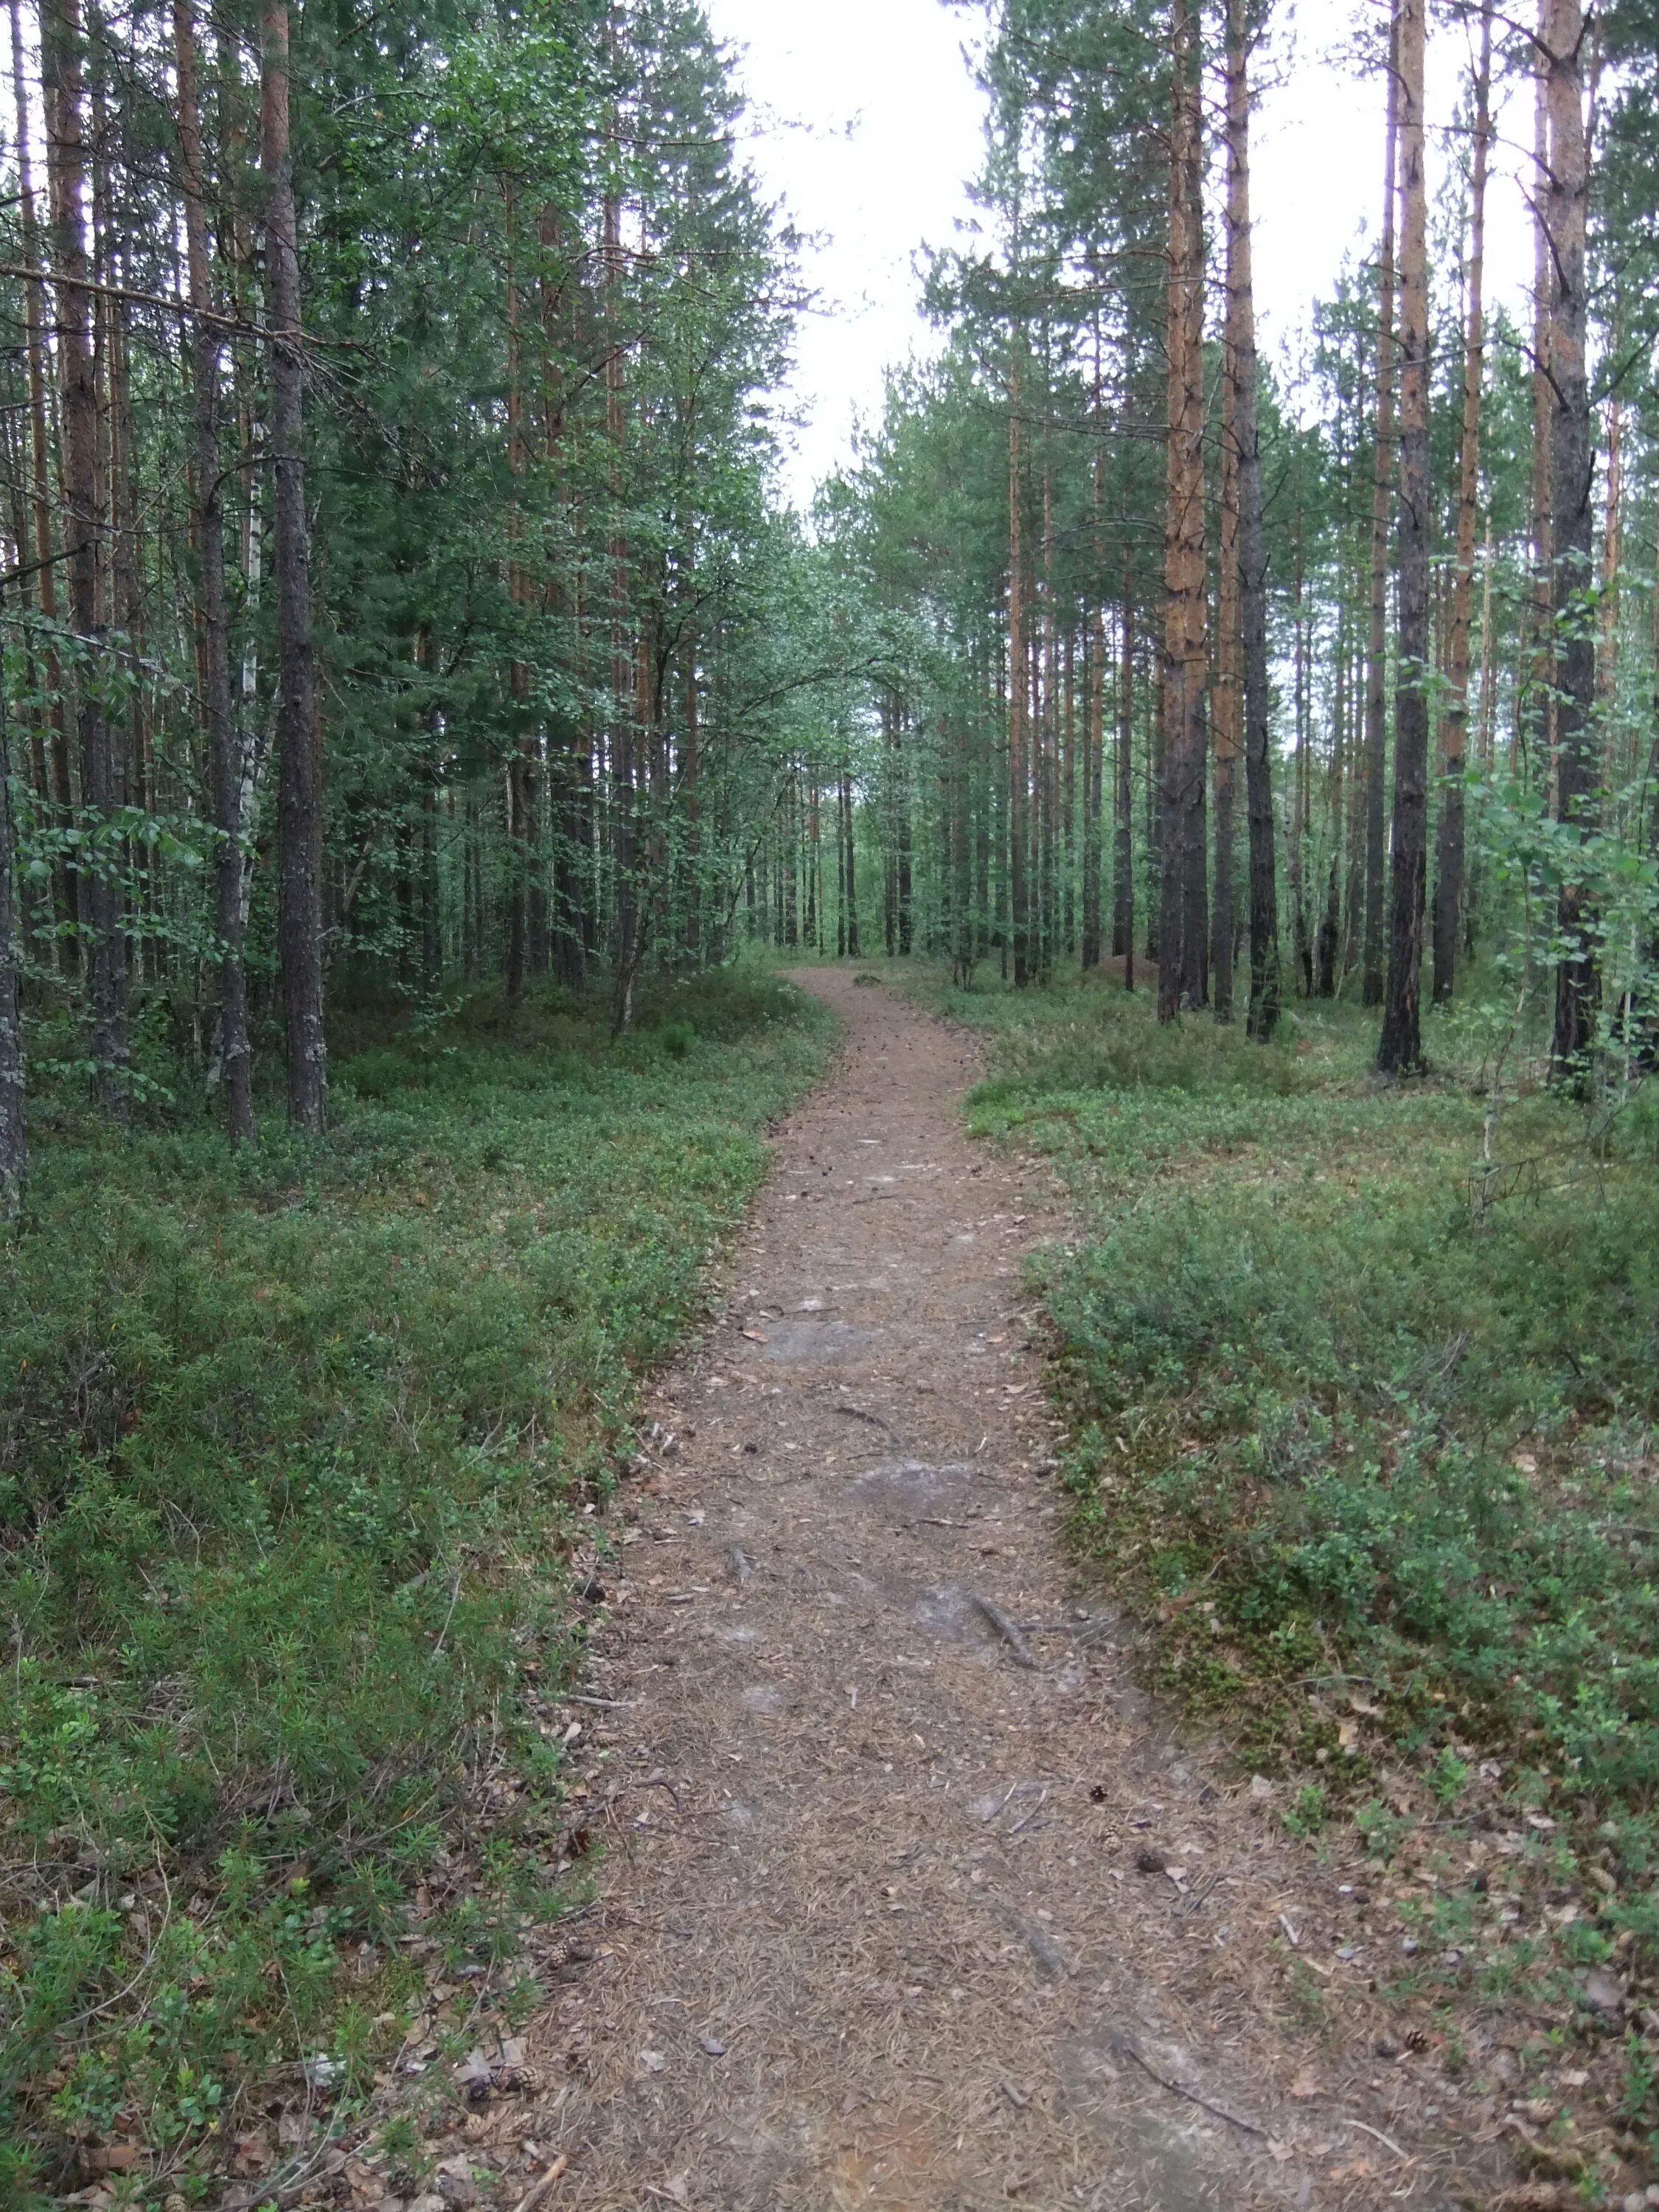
250,2156
1305,2084
122,2157
756,1336
653,2062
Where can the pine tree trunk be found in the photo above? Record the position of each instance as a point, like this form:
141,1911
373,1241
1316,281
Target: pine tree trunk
1183,949
1018,696
1065,831
1400,1051
1297,853
1537,723
224,767
852,871
1449,903
624,799
1229,698
1606,658
56,785
1252,558
61,43
1376,672
521,763
299,789
902,856
1094,776
1566,201
1123,827
14,1144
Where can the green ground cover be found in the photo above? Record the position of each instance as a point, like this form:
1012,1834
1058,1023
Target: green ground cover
1360,1393
295,1447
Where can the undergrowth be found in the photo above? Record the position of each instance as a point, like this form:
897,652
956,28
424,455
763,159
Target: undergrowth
294,1447
1364,1421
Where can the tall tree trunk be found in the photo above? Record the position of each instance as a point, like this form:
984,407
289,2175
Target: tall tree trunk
1094,776
848,826
67,885
690,781
901,794
1297,856
1375,769
1253,578
1018,693
1401,1050
521,797
1606,658
1066,832
1123,801
14,1144
625,824
298,789
1449,903
432,935
1229,698
1566,201
61,43
224,767
1094,759
1183,949
1538,723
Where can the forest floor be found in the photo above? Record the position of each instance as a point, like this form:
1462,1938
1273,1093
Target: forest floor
911,1896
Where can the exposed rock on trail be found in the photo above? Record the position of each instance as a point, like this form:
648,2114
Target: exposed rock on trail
872,1929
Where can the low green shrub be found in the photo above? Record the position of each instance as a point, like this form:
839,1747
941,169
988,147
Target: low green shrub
1340,1414
293,1445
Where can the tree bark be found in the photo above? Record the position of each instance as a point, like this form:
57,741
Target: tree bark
625,827
848,826
1094,767
1400,1050
1606,658
298,788
1538,722
1566,201
1375,769
1123,827
521,809
61,43
1183,948
224,766
67,887
1018,694
1235,345
1449,904
13,1143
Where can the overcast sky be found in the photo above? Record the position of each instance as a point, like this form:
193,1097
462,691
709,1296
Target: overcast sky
866,126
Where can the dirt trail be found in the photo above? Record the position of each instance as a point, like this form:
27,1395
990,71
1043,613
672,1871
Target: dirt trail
876,1927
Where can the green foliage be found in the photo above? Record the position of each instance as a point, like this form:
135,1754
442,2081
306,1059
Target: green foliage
1398,1430
293,1446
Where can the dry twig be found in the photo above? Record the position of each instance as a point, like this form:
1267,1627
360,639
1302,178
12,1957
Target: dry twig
538,2188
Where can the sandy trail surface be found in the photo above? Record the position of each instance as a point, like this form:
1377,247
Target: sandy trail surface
911,1898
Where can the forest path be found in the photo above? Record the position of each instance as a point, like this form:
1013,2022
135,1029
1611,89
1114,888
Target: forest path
874,1927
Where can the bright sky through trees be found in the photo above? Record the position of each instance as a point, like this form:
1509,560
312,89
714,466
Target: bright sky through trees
866,124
